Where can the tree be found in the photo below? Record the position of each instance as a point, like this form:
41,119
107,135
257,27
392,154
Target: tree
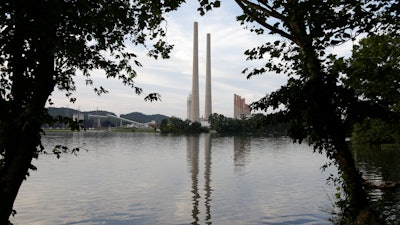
374,69
225,125
179,126
318,107
43,44
257,124
375,131
373,72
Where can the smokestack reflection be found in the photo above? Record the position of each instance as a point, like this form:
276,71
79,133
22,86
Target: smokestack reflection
207,176
194,170
193,161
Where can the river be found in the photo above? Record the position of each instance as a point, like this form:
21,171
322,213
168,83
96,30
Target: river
149,179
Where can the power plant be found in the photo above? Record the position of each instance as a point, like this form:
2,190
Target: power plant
240,108
193,109
208,108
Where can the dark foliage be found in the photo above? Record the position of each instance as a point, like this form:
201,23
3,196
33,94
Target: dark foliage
178,126
318,107
257,124
43,46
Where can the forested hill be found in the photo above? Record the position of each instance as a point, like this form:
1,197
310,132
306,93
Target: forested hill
143,118
68,112
135,116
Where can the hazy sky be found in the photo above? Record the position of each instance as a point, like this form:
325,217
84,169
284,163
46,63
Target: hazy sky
172,77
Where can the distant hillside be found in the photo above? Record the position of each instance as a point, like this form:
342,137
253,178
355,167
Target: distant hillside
89,122
67,112
143,118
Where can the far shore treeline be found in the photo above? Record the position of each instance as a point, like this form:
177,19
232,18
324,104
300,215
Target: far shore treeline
367,132
253,125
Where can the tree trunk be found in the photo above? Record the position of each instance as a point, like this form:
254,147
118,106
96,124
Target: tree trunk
359,207
330,128
21,142
21,129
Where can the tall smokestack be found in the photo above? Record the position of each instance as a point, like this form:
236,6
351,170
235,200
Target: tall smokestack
195,80
208,109
189,107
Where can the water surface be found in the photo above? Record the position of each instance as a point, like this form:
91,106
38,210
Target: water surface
142,178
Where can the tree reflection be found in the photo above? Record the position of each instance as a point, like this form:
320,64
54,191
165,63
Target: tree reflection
379,165
381,171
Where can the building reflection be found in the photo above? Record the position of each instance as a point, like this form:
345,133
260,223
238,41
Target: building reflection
241,151
193,146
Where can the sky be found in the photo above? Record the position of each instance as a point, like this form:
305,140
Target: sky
172,78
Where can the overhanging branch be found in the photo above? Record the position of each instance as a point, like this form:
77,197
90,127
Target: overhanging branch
258,13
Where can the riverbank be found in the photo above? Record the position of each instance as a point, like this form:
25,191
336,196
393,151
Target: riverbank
110,129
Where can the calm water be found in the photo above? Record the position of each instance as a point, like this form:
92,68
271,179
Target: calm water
141,178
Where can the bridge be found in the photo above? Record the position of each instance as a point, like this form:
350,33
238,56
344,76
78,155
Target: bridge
108,116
